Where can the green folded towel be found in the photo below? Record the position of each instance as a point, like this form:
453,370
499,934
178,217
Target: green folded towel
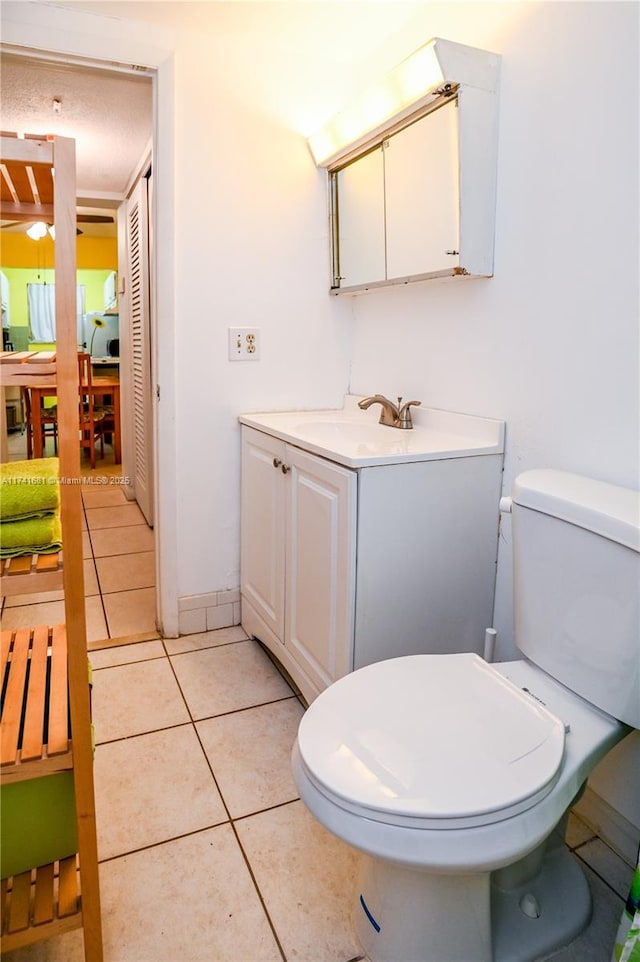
29,488
31,536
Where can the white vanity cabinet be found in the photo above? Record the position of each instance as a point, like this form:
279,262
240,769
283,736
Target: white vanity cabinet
344,566
298,558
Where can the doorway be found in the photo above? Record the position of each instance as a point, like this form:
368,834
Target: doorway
109,113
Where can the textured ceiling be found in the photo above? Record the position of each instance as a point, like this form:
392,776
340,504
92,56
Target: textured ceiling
108,114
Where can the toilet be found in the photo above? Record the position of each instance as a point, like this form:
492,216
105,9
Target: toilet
454,777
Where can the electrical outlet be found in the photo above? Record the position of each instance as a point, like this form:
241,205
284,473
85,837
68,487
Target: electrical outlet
244,344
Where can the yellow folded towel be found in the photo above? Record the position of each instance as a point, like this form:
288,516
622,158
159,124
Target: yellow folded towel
29,488
30,536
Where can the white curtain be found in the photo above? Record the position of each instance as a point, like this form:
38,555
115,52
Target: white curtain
42,310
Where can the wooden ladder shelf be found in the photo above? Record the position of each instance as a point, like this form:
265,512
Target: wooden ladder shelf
45,684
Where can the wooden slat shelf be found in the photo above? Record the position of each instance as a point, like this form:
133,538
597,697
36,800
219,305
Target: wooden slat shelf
27,573
41,903
35,711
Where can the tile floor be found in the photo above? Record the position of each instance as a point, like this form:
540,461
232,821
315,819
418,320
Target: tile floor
206,852
119,567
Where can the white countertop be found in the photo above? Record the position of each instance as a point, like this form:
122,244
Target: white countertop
354,437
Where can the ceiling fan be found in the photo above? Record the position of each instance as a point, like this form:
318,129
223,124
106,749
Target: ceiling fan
32,226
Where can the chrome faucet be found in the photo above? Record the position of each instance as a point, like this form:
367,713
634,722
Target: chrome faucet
394,416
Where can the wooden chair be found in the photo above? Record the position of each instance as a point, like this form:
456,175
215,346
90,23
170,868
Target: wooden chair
48,418
91,419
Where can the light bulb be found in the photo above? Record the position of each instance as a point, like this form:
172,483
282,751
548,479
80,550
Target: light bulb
37,231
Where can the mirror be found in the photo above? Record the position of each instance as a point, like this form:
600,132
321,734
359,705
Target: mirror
396,207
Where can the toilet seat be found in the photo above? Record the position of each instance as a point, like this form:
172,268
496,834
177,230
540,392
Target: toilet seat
433,741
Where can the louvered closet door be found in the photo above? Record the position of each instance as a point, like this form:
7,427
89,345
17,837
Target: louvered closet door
140,347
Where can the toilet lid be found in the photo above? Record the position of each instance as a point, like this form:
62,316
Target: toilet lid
440,738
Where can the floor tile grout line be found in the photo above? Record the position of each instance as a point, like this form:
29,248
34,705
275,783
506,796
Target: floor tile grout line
151,731
124,664
206,828
122,591
597,838
226,808
101,591
237,711
239,843
267,808
258,892
601,877
102,604
163,841
191,720
95,568
193,651
232,711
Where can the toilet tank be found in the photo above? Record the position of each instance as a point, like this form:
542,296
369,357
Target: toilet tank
576,559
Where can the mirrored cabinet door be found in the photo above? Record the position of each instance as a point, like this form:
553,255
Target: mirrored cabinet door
421,195
396,209
360,213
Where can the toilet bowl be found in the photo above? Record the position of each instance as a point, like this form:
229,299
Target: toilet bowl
454,777
444,769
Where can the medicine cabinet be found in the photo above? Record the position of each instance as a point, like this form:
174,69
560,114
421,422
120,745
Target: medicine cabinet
415,198
396,208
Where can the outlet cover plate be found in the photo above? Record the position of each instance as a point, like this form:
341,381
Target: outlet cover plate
244,344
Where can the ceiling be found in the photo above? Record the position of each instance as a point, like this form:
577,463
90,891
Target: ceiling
108,114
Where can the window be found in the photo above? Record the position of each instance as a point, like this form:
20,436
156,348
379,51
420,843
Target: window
41,300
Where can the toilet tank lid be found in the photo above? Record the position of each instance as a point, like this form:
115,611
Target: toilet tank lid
606,509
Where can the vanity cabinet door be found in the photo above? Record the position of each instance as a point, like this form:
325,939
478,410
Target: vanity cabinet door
263,528
320,566
298,542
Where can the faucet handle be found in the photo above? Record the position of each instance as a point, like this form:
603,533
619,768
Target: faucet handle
405,420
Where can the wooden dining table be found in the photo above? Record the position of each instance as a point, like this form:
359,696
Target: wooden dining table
104,389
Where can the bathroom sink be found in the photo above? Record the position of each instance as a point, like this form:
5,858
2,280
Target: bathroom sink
356,439
341,430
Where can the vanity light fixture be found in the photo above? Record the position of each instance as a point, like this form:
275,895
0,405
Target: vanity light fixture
432,71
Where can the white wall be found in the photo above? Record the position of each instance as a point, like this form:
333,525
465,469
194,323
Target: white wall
253,209
251,244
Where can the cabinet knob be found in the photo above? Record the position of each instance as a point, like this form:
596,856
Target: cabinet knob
285,468
277,462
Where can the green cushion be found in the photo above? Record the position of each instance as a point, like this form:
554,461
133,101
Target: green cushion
38,822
